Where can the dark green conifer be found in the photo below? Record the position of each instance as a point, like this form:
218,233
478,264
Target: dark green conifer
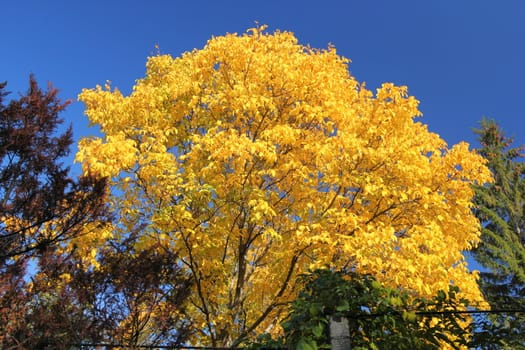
500,207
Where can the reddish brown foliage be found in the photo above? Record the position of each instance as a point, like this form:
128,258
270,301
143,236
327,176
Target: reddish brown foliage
37,190
34,184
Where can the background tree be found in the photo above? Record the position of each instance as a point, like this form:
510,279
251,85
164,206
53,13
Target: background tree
133,298
13,304
500,206
40,204
255,159
139,296
42,208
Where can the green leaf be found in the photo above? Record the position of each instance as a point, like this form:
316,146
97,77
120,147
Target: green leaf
313,310
345,306
306,344
409,316
375,284
318,330
396,301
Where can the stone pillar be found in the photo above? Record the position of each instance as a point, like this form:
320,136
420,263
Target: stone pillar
339,333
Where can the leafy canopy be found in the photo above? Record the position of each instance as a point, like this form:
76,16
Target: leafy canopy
378,317
257,158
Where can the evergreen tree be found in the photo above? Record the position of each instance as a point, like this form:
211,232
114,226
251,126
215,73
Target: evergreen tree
43,209
41,205
500,206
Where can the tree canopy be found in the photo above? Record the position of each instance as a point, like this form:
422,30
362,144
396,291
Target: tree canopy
257,158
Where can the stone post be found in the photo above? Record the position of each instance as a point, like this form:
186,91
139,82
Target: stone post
339,333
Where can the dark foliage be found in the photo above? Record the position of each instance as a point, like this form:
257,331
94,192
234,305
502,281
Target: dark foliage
133,299
35,187
136,297
40,206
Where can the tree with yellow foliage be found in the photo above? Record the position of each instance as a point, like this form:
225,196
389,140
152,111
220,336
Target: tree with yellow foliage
256,159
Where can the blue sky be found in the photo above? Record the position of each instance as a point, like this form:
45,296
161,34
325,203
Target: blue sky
462,59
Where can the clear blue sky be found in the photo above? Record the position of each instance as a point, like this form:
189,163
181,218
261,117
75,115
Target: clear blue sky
463,59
